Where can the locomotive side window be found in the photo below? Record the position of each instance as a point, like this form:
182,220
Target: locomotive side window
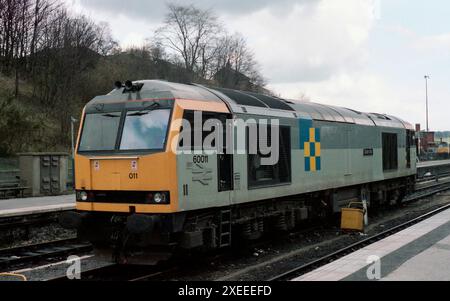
390,151
100,131
198,145
266,175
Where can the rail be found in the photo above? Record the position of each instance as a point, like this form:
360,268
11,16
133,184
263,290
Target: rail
27,254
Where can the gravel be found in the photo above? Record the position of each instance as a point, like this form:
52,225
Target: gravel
31,235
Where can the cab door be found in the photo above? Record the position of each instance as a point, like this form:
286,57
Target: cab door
409,143
206,178
225,159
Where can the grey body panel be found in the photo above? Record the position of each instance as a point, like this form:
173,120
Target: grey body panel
343,164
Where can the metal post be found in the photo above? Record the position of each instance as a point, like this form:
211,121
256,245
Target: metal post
71,131
72,121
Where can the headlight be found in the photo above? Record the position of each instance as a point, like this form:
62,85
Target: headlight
159,198
83,196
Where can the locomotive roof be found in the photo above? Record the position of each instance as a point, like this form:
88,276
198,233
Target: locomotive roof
249,102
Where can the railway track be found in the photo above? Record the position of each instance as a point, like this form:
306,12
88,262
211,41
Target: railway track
33,220
24,255
427,188
154,275
434,177
20,256
310,266
169,269
115,272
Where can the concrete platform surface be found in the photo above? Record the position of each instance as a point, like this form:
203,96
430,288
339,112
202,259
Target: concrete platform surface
433,264
421,252
433,163
22,206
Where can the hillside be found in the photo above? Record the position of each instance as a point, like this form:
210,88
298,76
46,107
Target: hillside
24,126
38,119
53,61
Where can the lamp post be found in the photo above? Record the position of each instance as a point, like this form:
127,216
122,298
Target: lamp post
427,77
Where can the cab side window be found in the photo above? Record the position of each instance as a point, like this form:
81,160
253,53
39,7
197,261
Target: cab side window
269,175
390,151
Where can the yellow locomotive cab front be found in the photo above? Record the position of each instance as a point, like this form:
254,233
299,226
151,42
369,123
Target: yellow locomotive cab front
130,183
124,163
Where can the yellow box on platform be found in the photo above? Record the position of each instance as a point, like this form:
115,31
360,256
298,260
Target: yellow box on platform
352,219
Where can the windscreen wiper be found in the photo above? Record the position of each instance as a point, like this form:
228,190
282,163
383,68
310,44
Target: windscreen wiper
110,115
148,108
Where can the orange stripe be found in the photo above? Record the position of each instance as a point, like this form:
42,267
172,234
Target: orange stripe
202,105
109,207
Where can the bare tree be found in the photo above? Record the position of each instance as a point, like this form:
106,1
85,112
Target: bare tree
42,11
189,32
106,44
20,28
196,37
234,64
157,51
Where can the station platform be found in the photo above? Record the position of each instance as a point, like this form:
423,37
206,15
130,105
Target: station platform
425,164
418,253
35,205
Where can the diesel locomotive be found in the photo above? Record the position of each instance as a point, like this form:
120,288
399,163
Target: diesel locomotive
138,199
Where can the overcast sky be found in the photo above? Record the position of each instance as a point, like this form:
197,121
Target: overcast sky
369,55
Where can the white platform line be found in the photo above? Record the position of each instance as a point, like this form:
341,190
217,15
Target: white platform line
36,210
